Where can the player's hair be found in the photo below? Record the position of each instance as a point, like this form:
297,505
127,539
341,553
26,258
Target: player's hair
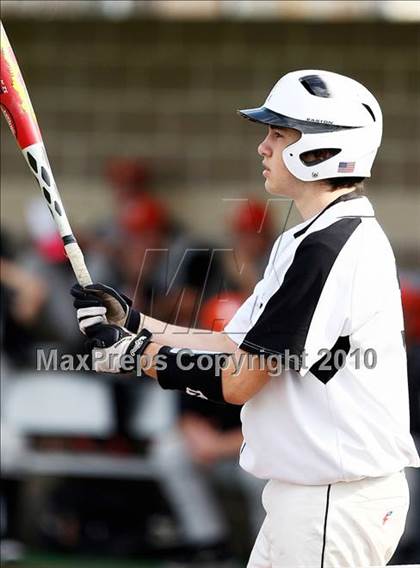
341,182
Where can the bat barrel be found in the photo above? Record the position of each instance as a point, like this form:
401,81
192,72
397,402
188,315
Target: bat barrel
14,98
19,113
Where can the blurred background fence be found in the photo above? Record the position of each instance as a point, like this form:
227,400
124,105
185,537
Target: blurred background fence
167,90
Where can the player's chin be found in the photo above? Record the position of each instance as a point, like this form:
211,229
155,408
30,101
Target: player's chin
279,188
270,187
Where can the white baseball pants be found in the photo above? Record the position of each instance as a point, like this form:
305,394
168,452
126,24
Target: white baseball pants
342,525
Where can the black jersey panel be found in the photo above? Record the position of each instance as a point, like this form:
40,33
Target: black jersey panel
284,324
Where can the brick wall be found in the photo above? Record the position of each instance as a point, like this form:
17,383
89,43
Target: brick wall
168,91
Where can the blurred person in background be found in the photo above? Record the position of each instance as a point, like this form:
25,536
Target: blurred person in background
128,178
409,549
22,299
128,249
129,181
410,293
252,235
142,251
178,284
213,435
180,290
201,447
142,243
45,258
190,292
23,296
143,224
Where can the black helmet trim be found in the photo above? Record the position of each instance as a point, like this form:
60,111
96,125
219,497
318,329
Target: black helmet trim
271,118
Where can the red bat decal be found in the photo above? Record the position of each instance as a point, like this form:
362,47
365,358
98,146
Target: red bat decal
14,98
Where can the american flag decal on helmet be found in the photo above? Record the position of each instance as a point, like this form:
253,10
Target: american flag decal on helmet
346,167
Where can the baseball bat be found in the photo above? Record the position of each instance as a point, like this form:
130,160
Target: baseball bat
19,113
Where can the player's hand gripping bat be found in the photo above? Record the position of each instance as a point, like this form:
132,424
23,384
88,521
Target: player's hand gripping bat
17,108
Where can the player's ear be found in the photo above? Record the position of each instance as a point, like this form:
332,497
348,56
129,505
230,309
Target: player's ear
313,157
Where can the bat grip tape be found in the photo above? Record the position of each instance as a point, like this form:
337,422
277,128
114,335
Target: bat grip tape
77,262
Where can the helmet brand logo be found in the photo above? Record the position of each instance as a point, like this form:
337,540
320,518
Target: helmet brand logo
319,120
315,174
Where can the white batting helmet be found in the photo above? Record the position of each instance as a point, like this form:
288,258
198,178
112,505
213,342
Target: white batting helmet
332,112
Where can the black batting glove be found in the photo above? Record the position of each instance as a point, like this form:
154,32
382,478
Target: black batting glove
101,304
116,350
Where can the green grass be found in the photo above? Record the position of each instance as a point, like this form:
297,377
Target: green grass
43,560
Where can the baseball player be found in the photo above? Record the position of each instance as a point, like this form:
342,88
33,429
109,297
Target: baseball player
316,354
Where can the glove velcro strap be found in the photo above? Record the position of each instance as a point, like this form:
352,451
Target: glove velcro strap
136,348
196,374
133,320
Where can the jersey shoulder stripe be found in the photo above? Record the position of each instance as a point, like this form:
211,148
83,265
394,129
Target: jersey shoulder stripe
283,325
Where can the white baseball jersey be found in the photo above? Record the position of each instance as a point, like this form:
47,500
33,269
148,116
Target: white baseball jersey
330,296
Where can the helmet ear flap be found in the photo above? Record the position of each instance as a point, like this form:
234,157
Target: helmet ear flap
317,156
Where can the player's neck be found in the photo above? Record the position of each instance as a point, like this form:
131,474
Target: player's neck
311,201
